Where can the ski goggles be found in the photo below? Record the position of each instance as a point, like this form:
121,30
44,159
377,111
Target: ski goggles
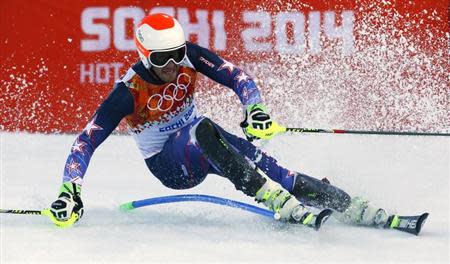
160,58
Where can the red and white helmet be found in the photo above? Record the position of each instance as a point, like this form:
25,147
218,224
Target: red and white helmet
158,32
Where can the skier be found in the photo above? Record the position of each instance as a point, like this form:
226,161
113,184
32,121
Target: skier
180,148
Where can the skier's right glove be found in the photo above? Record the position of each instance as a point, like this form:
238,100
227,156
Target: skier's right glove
68,208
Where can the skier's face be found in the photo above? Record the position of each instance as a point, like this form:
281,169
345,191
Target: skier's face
167,73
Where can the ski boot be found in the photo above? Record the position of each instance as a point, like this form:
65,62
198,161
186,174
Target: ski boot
360,212
287,207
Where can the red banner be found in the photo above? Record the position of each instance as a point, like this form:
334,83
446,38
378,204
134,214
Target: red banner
348,64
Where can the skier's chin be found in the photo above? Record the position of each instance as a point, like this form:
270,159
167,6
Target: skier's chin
168,73
169,76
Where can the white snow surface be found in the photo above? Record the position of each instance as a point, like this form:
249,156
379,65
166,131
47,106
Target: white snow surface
405,175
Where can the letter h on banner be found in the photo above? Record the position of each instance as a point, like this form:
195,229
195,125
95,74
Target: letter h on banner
345,31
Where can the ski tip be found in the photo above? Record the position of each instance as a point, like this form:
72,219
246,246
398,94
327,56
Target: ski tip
409,224
321,218
421,222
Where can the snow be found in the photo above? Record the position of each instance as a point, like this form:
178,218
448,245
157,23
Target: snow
408,175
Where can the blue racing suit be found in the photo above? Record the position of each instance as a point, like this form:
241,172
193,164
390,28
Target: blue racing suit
160,117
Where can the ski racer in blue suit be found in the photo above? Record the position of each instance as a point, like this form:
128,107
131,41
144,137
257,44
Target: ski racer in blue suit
180,148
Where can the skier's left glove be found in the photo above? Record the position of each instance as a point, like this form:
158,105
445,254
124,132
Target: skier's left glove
257,123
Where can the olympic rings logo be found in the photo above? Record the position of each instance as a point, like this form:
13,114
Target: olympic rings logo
172,93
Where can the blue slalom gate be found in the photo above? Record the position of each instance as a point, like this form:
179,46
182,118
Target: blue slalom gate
196,198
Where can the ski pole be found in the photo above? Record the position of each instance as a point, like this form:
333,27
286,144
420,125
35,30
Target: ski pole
29,212
46,212
361,132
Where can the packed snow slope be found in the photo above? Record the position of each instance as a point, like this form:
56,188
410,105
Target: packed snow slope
405,175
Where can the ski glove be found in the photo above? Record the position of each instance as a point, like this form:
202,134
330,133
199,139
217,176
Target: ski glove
257,123
68,208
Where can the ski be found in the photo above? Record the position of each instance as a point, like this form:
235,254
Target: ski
312,220
409,224
321,218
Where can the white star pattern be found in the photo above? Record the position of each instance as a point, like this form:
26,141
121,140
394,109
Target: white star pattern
91,127
73,167
78,146
242,77
226,65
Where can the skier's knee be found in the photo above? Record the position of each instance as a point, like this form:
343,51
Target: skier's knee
205,127
318,193
221,155
341,200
